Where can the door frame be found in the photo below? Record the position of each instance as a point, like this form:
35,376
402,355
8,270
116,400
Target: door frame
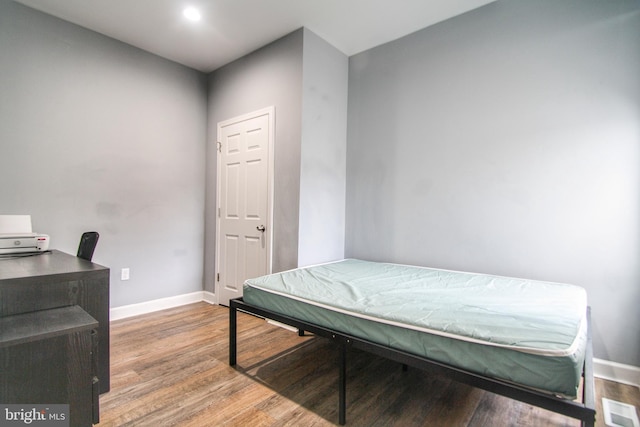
270,112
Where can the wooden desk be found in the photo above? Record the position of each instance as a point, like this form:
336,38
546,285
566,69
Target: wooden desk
56,279
48,357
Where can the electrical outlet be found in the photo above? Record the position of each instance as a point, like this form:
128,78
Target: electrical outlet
124,274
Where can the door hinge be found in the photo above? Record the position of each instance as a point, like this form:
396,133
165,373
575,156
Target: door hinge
219,147
218,277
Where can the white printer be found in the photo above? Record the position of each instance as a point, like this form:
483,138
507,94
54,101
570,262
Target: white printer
16,236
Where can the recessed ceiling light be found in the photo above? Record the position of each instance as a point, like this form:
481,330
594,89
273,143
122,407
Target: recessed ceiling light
192,14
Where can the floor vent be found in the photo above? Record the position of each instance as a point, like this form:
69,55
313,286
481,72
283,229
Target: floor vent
617,414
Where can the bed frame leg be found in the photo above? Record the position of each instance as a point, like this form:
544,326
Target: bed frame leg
232,335
342,394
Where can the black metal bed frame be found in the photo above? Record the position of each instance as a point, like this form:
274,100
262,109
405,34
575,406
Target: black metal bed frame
584,411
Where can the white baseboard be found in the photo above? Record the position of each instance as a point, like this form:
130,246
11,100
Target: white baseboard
618,372
125,311
209,297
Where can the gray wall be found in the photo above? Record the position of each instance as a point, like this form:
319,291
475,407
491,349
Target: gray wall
98,135
305,79
270,76
323,152
507,141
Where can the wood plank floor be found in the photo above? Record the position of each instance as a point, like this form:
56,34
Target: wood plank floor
171,368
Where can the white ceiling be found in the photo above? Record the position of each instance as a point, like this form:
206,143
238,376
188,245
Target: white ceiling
229,29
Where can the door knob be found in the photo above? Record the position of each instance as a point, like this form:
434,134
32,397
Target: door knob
261,228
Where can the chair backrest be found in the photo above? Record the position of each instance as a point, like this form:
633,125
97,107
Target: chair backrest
88,243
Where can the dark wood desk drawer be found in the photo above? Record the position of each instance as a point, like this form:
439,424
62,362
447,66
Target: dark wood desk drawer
49,357
56,279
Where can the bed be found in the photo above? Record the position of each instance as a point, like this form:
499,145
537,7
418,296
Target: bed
527,340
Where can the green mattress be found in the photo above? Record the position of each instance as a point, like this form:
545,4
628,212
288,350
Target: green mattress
527,332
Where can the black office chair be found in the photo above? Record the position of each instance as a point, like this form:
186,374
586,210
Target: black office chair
88,243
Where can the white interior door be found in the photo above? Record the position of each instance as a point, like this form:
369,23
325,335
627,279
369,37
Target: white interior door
245,171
